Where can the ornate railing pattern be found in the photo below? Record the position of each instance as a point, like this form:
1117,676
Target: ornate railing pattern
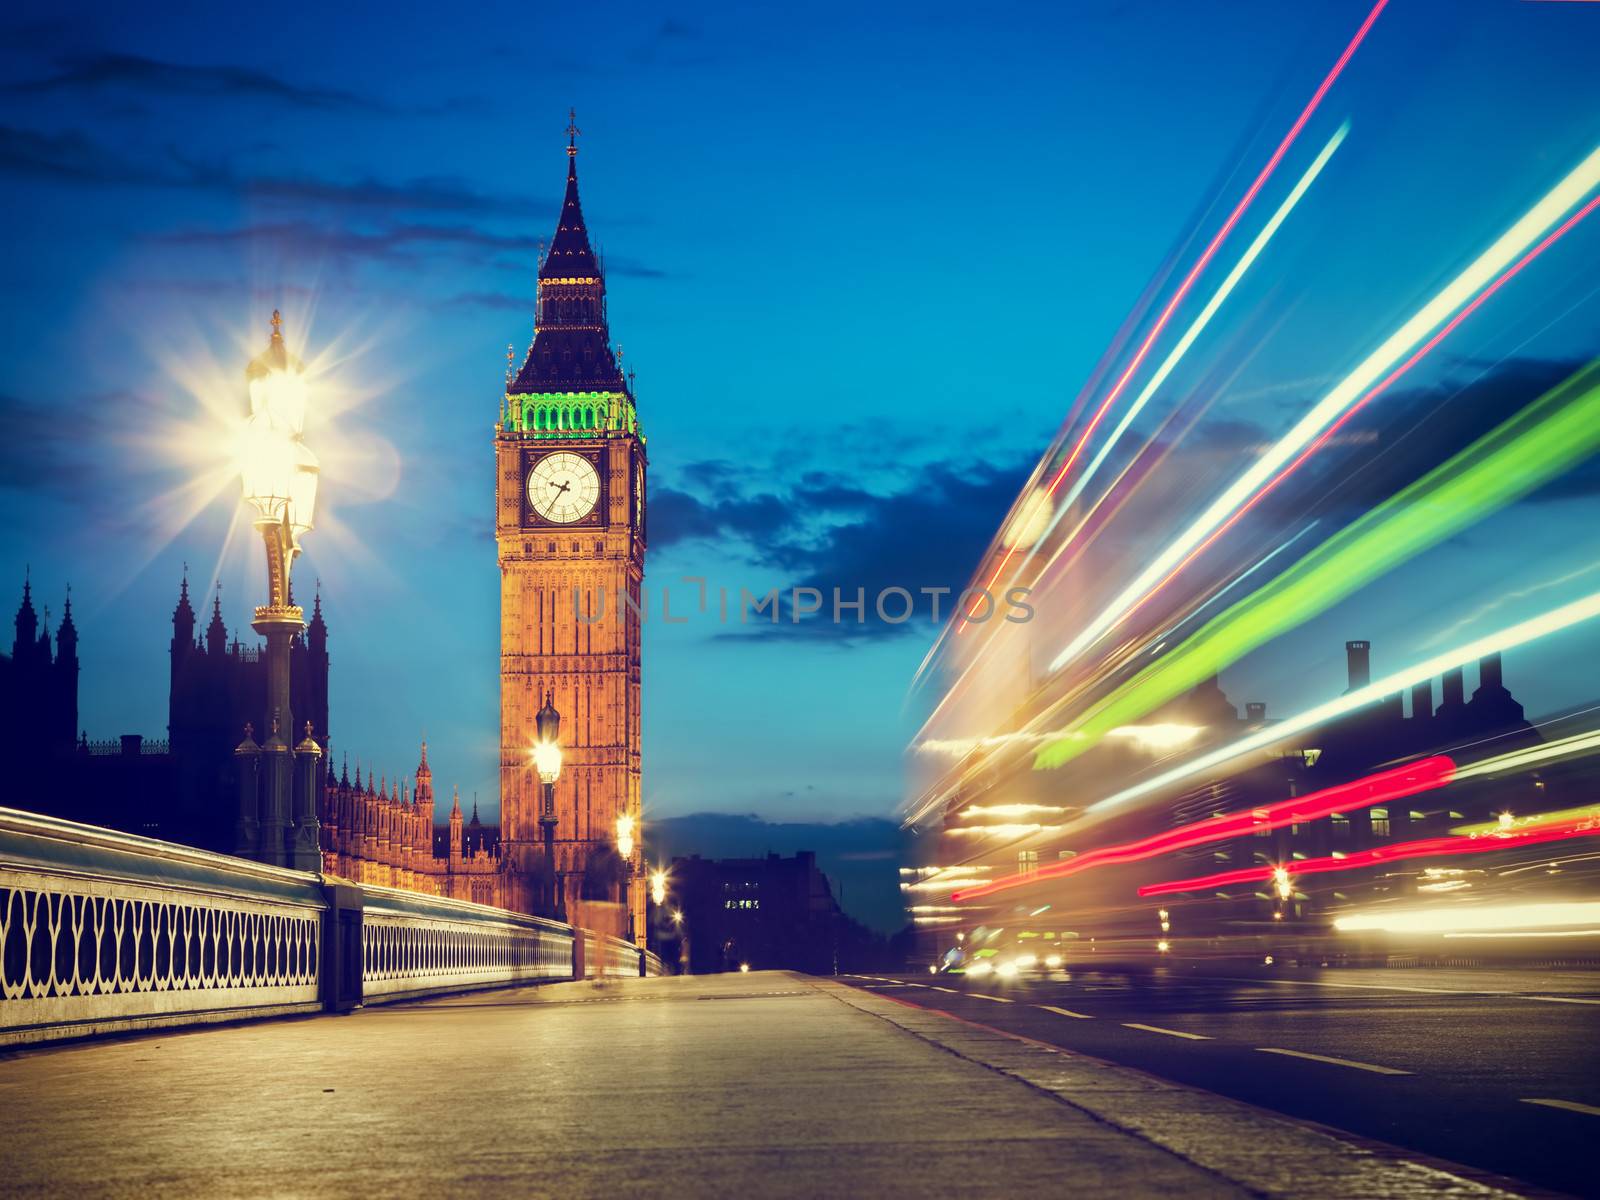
103,931
100,931
414,944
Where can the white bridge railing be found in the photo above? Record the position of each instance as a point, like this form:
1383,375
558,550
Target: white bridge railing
106,932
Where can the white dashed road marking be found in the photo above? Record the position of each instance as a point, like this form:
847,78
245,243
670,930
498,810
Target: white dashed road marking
1377,987
996,999
1569,1105
1338,1062
1193,1037
1066,1012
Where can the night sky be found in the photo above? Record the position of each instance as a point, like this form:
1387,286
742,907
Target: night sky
861,257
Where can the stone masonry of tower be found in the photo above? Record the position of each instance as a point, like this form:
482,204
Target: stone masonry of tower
571,542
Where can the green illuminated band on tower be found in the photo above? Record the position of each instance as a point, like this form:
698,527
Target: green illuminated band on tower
562,414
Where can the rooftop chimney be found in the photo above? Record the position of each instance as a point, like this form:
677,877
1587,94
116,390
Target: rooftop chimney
1358,658
1453,692
1489,673
1422,700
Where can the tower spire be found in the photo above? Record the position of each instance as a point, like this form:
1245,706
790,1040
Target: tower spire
571,352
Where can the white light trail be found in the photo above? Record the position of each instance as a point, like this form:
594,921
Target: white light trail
1002,831
1460,918
1200,322
1520,634
1532,225
1518,760
1013,810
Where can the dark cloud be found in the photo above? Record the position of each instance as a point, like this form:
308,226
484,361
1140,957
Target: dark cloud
830,533
68,157
759,520
42,452
1401,436
632,269
133,72
425,194
670,44
71,156
404,244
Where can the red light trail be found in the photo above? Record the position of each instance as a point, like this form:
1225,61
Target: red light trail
1200,265
1381,855
1382,787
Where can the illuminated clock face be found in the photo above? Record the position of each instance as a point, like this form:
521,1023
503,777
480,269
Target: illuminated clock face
638,498
563,487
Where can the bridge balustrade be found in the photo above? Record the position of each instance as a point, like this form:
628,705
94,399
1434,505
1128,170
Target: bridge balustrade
414,944
104,932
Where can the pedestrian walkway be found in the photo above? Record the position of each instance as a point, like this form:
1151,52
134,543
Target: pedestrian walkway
761,1084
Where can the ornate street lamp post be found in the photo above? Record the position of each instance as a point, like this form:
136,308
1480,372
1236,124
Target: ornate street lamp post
278,816
547,762
625,849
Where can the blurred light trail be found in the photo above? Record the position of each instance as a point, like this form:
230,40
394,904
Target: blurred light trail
1377,390
1380,788
1509,822
1553,621
1233,583
1379,856
1158,736
1002,831
1519,760
1542,441
1013,810
1200,322
1459,918
1201,263
1505,250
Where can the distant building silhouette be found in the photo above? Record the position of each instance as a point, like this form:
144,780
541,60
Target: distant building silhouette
769,913
38,684
181,789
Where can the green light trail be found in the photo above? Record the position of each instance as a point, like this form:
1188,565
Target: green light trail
1542,441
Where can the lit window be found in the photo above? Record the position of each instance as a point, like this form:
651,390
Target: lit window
1380,822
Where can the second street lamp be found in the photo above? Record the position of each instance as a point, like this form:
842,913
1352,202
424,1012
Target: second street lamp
547,762
625,850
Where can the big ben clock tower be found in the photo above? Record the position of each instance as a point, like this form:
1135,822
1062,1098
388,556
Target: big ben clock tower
569,524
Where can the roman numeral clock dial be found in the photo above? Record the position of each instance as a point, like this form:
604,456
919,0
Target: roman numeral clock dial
563,487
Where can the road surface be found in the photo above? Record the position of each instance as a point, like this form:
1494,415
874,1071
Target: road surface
1498,1070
